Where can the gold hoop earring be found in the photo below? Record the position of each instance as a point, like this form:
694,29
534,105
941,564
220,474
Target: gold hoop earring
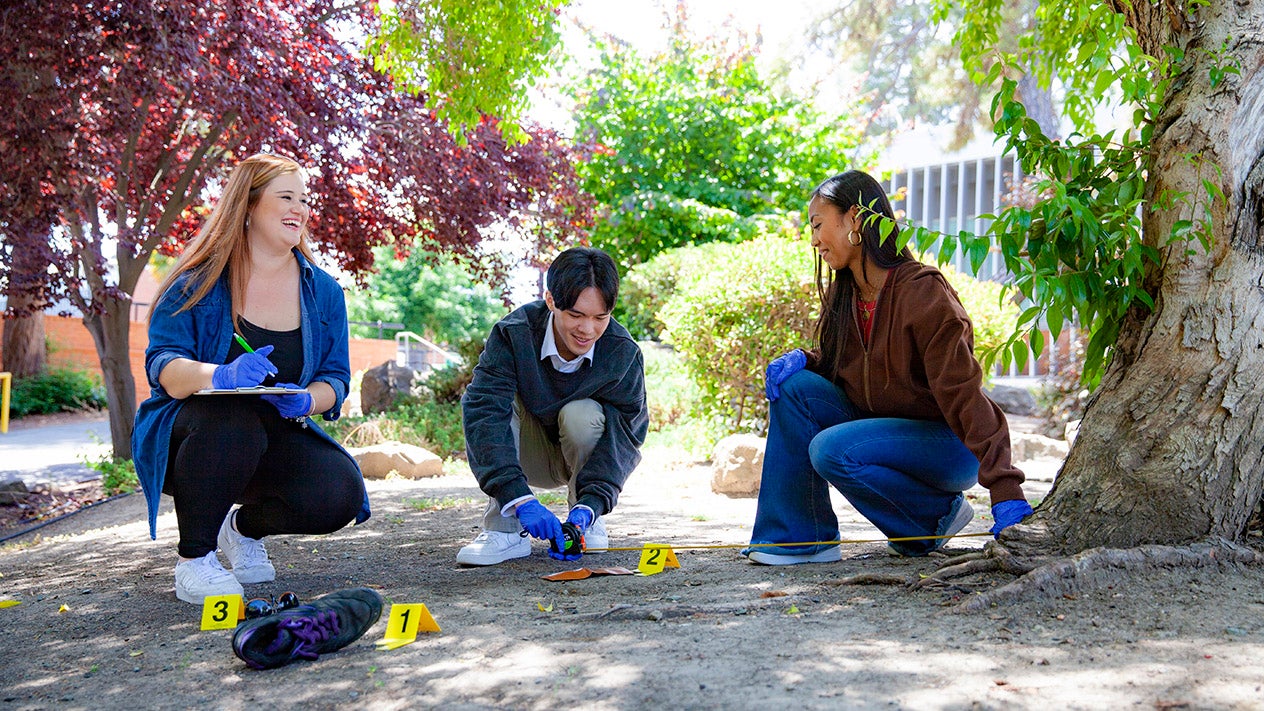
854,238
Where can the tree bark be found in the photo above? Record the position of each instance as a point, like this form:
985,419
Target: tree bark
1170,446
25,353
111,334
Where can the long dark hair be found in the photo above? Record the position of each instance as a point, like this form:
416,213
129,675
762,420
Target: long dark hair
835,286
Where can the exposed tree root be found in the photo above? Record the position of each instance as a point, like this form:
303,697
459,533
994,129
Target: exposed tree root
656,613
870,579
994,558
1096,567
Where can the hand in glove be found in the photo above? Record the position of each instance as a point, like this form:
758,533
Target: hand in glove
540,522
247,371
578,522
293,406
1008,513
780,370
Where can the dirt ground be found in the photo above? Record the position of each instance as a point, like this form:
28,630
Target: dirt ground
99,626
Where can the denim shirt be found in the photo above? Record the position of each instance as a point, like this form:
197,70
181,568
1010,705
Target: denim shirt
204,333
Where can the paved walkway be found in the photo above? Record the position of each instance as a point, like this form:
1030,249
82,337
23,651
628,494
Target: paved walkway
54,454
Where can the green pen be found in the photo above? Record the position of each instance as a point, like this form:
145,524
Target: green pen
241,341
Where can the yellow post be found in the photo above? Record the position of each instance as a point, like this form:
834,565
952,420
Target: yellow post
5,379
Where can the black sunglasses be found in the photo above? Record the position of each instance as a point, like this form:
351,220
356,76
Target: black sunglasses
262,607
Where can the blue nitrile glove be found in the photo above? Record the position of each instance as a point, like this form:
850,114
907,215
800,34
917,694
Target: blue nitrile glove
540,522
1008,513
247,371
580,517
781,369
291,406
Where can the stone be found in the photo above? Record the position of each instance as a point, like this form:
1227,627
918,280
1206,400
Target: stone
406,460
1070,431
737,464
1014,401
382,385
12,492
1028,445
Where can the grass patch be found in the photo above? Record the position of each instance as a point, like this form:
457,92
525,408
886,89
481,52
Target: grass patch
552,498
432,503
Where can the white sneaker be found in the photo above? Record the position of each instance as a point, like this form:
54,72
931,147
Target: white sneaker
202,577
246,556
596,537
829,555
492,547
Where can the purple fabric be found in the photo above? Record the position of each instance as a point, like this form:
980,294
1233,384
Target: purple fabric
310,631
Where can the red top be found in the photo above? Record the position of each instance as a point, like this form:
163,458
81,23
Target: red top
866,309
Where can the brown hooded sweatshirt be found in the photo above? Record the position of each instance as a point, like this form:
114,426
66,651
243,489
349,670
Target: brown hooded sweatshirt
920,365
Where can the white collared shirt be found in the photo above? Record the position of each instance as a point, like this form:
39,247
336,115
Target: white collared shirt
549,350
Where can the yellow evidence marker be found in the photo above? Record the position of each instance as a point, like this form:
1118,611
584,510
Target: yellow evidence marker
655,557
222,612
403,624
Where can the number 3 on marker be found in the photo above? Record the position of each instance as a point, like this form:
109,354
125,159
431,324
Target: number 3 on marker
221,612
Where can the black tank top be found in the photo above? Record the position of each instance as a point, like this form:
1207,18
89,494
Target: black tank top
287,354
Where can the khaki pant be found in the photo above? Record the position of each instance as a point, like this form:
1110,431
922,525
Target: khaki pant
547,465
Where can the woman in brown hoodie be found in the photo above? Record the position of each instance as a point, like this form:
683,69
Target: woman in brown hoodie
889,407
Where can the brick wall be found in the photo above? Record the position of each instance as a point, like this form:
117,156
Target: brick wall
71,346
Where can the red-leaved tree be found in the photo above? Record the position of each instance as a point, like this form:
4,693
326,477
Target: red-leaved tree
130,112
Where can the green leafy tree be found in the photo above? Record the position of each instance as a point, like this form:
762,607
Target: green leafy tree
438,299
693,145
1151,238
472,59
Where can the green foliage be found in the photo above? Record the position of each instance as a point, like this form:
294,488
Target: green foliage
118,476
1076,249
991,310
435,298
470,58
57,390
754,301
447,383
646,287
671,393
435,426
694,146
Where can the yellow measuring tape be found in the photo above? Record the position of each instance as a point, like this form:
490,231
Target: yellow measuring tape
703,546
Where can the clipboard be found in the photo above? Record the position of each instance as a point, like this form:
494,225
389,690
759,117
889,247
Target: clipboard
257,390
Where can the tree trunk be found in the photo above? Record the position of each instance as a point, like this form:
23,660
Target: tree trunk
24,349
110,332
25,353
1170,447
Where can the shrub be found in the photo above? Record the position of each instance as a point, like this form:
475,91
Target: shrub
118,476
752,302
426,423
645,288
994,315
57,390
669,390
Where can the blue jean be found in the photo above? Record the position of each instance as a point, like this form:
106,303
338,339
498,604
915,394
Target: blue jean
904,476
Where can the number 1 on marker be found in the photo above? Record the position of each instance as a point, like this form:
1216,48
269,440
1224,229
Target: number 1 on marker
403,624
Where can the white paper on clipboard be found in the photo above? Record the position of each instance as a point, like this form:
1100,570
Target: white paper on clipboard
259,390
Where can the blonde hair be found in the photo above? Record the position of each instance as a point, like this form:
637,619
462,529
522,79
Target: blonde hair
222,241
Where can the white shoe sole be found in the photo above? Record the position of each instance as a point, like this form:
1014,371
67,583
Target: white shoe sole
829,555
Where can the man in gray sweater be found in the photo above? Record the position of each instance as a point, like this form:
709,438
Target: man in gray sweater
557,399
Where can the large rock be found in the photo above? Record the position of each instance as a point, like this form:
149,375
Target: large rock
406,460
1027,445
737,464
12,492
382,385
1015,401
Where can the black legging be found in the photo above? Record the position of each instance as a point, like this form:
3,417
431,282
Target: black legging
230,448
